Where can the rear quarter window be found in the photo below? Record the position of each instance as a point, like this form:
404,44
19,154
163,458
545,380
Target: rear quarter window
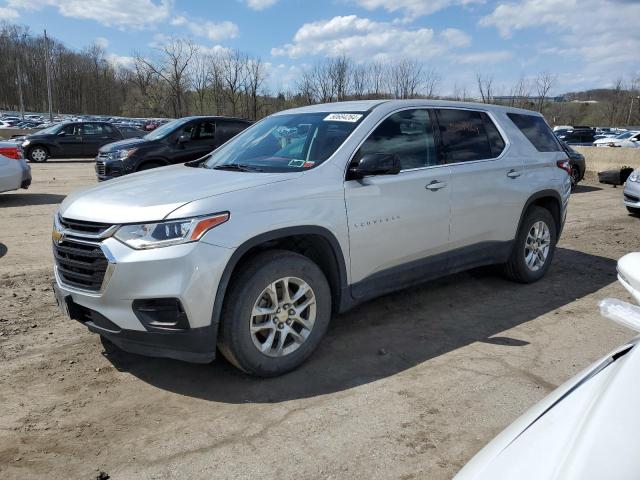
537,132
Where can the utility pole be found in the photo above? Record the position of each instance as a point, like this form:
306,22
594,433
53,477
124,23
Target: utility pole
48,72
20,89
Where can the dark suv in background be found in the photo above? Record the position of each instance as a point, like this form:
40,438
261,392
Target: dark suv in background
178,141
69,140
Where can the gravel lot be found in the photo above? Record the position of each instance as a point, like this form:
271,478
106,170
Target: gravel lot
407,386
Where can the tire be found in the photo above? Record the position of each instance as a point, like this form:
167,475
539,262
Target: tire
518,269
633,210
38,154
575,177
149,166
257,353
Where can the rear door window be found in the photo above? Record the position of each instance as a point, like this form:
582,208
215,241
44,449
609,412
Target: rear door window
464,136
537,132
204,130
407,134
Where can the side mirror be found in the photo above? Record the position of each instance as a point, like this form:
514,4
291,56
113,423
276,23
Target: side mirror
375,164
184,138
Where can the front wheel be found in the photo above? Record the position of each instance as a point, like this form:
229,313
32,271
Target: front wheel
275,314
534,247
38,155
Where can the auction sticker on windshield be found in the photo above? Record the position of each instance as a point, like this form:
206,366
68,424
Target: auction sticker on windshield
343,117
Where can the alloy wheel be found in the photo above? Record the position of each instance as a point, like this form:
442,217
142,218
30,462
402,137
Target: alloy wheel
537,244
283,317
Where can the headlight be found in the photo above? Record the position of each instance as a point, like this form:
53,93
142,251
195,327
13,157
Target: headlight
635,176
26,143
172,232
122,154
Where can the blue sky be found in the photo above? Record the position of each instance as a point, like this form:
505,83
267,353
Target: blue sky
585,43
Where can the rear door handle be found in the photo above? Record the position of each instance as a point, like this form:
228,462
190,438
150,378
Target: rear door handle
435,185
513,173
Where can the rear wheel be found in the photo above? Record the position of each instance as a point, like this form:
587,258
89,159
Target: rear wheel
534,247
38,154
276,312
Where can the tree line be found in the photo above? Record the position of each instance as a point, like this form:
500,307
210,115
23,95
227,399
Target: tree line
180,78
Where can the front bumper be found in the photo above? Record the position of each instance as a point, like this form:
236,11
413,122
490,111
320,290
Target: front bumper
189,273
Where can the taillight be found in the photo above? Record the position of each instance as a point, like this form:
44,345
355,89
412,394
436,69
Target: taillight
564,165
14,153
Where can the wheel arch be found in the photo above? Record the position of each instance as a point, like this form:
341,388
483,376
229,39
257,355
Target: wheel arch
47,148
314,242
549,200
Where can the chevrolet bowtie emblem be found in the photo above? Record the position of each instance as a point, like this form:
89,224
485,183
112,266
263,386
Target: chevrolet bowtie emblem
57,236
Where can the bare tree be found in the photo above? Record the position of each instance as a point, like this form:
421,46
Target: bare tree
485,87
233,70
544,83
359,80
339,70
172,67
254,78
520,92
430,82
404,78
200,76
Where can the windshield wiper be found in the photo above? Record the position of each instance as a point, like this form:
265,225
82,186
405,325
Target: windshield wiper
239,167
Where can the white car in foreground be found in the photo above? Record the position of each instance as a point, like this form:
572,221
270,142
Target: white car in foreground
626,139
586,429
15,172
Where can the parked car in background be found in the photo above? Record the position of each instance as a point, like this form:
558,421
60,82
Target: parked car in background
179,141
632,192
69,140
625,139
578,136
577,162
131,132
15,173
587,428
308,212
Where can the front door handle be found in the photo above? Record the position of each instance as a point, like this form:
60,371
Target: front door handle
435,185
513,173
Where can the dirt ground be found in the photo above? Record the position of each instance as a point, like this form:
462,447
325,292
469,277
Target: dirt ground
407,386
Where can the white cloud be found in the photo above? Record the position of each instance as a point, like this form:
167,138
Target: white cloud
8,13
260,4
101,42
365,39
413,8
484,58
120,60
115,13
214,31
604,34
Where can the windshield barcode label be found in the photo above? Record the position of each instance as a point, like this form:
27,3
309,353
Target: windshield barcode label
343,117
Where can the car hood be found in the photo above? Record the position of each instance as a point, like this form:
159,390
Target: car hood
585,429
152,195
123,144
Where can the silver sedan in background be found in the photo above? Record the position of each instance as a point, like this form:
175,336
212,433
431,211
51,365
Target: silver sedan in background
15,173
632,192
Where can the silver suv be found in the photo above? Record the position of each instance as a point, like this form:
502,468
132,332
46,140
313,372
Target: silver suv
308,213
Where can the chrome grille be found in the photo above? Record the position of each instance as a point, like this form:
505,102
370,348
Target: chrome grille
78,254
80,264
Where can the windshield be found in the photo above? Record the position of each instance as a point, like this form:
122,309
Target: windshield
624,135
285,143
53,129
165,129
